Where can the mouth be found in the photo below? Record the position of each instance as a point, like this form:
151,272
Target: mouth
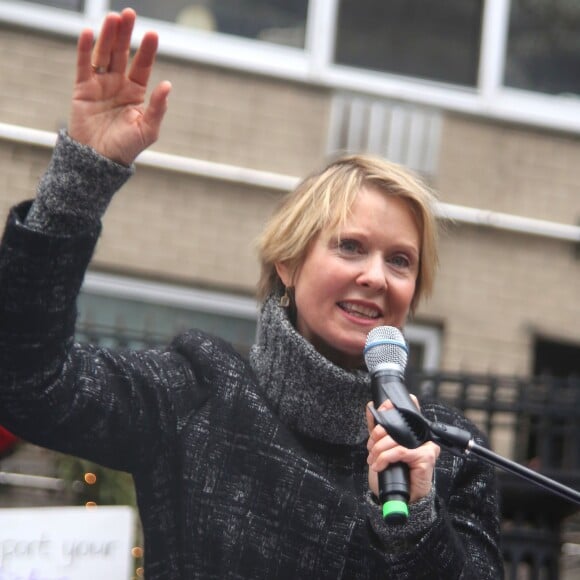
366,312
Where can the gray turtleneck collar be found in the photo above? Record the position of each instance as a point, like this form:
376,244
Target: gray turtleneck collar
310,394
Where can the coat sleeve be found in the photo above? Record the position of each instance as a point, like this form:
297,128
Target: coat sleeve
110,407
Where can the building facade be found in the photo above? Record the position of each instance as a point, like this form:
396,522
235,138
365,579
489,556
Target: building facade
478,96
248,117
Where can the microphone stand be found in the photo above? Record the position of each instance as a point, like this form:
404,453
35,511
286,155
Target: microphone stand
446,436
409,428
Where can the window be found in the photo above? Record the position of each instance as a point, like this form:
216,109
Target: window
116,311
437,41
543,52
511,60
74,5
424,347
549,429
556,358
277,21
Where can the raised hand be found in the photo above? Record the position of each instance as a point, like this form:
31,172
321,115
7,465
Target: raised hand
108,110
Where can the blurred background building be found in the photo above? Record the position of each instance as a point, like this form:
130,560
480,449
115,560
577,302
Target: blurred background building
481,97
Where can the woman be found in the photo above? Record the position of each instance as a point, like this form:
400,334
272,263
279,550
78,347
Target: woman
264,468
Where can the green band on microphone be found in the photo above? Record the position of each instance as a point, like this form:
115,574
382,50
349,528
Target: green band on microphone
395,509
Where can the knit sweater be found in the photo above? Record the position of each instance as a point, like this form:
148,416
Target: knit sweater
243,468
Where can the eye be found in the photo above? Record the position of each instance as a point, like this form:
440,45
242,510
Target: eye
400,261
349,246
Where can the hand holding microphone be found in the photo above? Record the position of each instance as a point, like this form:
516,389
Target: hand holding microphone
386,357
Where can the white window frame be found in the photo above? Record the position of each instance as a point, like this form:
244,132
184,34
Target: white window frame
314,65
232,307
220,303
430,338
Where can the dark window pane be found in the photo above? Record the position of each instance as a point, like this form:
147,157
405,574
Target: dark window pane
74,5
543,51
556,358
437,41
416,359
278,21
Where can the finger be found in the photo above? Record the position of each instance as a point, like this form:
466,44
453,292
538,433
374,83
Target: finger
380,461
434,449
377,433
84,50
386,405
373,482
371,421
386,452
144,59
122,47
416,401
369,417
157,107
378,442
101,56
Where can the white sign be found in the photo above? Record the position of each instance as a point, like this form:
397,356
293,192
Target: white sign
66,543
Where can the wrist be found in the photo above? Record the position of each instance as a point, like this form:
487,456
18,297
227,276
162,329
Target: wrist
76,188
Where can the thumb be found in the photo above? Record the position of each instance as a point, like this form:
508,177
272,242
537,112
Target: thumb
157,107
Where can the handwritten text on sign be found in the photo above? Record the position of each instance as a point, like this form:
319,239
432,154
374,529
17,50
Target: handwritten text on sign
66,543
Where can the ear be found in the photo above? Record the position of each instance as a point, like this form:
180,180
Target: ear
284,273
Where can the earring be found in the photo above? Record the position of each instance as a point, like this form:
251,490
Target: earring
285,299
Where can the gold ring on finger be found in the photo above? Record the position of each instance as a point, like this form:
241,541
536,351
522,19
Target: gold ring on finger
99,70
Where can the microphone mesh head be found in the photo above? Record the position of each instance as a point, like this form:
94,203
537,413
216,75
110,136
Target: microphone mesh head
385,344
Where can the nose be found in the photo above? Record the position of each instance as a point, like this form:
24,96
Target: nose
373,274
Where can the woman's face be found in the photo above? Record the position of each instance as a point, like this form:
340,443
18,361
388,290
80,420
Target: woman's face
366,278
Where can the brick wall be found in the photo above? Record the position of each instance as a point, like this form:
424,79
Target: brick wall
510,169
214,114
496,290
170,226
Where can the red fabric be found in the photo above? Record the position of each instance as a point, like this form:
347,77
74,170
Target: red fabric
7,441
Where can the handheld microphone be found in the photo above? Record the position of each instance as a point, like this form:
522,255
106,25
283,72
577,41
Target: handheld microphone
385,356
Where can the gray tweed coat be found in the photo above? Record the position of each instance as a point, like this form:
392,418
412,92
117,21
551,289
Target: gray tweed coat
244,469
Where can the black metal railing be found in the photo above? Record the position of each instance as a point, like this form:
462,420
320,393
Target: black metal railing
535,422
120,336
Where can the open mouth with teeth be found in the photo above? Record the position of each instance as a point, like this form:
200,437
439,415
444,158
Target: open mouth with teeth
360,310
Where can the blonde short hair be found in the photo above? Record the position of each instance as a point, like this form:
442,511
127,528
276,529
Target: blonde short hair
324,199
